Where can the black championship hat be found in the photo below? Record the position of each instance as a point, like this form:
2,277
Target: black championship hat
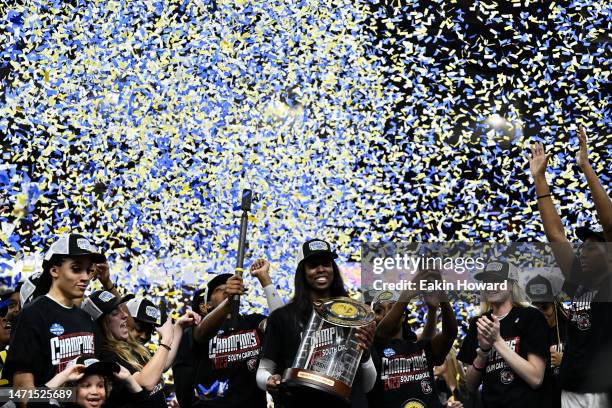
539,290
102,302
95,366
73,245
215,282
584,232
315,247
497,271
144,311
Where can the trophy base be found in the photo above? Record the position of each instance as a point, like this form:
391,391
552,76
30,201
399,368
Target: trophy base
299,378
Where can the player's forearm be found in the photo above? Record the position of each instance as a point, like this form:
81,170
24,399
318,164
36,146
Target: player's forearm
151,373
176,341
473,378
210,325
532,374
429,330
553,227
386,329
273,298
603,203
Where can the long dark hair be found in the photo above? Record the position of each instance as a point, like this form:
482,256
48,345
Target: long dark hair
301,296
46,280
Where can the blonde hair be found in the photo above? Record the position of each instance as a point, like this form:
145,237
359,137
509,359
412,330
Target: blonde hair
455,370
517,294
130,351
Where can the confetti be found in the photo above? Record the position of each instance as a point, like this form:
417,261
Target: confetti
140,124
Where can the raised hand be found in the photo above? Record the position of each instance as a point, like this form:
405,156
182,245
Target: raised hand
166,332
190,318
582,156
489,329
261,270
102,273
538,160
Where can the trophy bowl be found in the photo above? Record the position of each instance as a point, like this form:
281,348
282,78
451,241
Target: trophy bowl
328,357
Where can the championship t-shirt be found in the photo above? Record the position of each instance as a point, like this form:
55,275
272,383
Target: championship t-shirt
121,396
404,375
588,350
282,340
525,331
47,336
227,366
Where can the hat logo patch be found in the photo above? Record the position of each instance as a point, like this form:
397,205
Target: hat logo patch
84,244
538,289
318,246
152,312
106,296
494,267
57,329
90,361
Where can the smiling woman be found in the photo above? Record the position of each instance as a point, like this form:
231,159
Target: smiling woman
119,346
53,330
317,277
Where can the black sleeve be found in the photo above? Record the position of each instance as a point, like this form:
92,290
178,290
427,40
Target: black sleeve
272,346
467,352
132,399
198,349
535,334
26,346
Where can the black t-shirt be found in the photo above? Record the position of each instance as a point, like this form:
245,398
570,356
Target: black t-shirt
231,361
122,397
282,341
468,399
404,370
525,331
47,336
184,370
283,336
588,348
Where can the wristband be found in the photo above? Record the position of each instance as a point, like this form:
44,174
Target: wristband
544,196
111,288
167,347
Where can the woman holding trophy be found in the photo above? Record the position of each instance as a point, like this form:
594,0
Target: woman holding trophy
317,344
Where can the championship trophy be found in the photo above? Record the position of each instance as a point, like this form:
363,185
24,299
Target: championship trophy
328,357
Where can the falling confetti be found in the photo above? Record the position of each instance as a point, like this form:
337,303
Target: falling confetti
139,123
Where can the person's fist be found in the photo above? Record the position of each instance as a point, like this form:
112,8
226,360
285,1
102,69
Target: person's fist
555,357
273,383
261,270
190,318
234,286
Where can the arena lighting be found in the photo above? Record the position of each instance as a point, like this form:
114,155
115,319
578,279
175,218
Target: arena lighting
496,121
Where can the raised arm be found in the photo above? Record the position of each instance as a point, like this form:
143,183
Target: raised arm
209,325
602,200
443,341
553,227
261,270
190,318
151,373
429,329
